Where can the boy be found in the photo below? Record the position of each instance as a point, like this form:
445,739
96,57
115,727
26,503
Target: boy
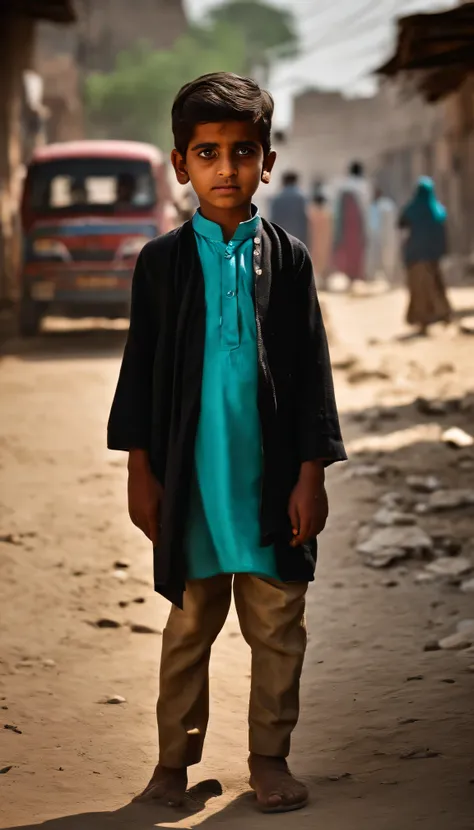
225,404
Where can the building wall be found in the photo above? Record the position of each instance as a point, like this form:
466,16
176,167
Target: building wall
103,29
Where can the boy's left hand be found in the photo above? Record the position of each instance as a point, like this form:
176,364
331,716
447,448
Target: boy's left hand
308,508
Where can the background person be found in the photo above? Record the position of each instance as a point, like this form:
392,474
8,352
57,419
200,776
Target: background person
425,220
288,208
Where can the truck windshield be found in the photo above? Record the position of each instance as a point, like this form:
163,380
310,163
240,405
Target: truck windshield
85,184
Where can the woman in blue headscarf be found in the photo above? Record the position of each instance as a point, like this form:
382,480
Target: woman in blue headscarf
425,220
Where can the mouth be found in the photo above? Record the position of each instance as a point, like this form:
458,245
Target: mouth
226,188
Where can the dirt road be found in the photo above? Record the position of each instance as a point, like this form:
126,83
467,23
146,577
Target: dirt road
386,733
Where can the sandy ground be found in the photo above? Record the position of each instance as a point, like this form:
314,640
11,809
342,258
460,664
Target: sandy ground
63,522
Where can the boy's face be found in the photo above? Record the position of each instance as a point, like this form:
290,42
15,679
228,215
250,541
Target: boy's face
225,164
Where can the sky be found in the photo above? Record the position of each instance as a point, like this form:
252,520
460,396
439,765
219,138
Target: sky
342,40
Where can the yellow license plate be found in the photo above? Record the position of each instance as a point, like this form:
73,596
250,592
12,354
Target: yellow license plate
96,282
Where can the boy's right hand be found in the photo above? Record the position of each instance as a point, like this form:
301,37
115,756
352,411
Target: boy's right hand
145,495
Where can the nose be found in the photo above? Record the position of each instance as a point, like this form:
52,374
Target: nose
227,167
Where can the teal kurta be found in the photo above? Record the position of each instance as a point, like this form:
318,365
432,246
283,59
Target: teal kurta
223,530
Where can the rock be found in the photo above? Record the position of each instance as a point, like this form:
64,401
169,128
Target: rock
448,680
390,583
415,677
11,539
467,587
419,754
340,777
432,645
105,622
344,363
121,564
359,374
431,407
121,575
446,545
466,627
423,484
123,603
423,578
391,518
391,500
366,471
444,369
49,664
138,628
390,544
139,600
450,567
12,728
448,500
466,325
456,642
114,700
457,438
467,403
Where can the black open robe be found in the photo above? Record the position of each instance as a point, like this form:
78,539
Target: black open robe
157,401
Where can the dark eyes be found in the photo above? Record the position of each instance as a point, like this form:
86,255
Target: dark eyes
212,153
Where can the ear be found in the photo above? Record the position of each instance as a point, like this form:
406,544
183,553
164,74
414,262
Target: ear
179,165
268,163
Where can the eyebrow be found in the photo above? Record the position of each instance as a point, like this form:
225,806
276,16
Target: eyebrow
213,145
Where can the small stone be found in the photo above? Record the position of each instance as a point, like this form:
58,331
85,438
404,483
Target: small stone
140,600
114,700
12,728
122,576
363,375
408,721
391,500
450,567
366,471
449,500
423,484
390,544
419,754
467,587
466,325
431,407
389,518
49,664
340,777
390,583
123,603
456,642
423,578
457,438
444,369
138,628
432,645
105,622
415,677
448,680
466,627
121,564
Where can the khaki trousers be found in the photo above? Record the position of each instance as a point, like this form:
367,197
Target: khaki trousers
271,617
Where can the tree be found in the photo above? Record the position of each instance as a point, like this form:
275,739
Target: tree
134,101
265,29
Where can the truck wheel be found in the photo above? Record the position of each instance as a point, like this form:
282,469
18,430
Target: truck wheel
30,318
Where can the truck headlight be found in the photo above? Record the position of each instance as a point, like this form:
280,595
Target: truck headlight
51,249
131,247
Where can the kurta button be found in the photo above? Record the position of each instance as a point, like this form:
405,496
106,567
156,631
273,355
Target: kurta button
257,240
231,293
258,272
227,255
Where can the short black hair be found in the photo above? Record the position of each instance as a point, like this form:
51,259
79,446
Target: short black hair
221,96
290,178
356,168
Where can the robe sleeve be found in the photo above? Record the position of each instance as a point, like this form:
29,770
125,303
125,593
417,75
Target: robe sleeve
129,425
319,433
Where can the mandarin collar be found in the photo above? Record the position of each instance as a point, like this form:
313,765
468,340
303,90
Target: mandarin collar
211,230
